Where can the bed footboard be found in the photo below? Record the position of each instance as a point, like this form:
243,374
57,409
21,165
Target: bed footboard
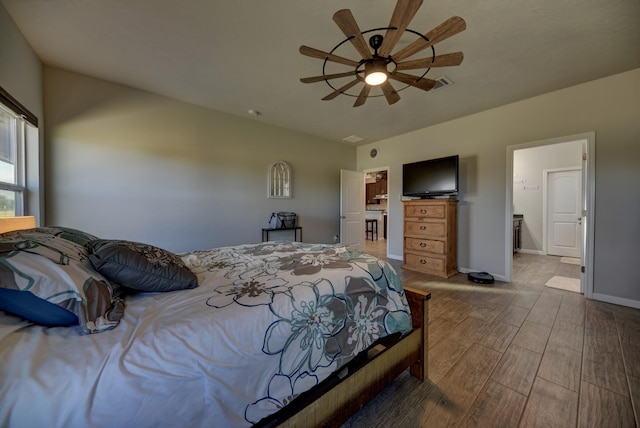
419,303
384,364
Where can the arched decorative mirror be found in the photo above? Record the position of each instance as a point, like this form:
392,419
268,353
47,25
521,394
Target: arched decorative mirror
280,180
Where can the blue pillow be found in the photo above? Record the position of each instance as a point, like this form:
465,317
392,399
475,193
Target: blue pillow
39,311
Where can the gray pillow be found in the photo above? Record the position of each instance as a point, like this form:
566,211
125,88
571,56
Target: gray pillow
140,266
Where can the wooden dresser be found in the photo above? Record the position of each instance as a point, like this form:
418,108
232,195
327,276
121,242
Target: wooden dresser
431,236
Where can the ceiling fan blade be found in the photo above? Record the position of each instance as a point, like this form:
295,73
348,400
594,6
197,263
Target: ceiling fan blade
315,53
402,15
327,77
444,60
448,28
389,93
347,23
362,98
338,91
415,81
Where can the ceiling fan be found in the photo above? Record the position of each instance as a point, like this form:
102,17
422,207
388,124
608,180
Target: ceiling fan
378,66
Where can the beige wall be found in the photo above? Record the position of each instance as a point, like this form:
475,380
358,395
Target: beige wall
21,76
20,68
125,163
607,106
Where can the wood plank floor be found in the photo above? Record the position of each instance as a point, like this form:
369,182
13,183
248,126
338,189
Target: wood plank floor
517,354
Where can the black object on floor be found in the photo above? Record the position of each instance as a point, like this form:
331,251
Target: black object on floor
481,277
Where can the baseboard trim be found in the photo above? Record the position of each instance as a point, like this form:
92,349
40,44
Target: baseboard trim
536,252
394,257
616,300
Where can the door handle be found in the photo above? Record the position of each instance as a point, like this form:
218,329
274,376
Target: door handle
342,217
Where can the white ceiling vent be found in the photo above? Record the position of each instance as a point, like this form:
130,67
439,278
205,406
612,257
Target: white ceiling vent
353,139
441,82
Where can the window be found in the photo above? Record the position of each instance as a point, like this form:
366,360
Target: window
280,180
15,124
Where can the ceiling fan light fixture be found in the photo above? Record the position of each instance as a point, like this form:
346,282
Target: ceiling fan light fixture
384,64
375,73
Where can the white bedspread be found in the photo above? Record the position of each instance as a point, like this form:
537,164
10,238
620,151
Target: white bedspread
267,322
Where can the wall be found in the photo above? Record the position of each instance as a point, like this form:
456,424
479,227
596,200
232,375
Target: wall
528,171
125,163
21,76
607,106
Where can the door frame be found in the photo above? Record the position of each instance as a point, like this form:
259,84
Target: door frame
588,202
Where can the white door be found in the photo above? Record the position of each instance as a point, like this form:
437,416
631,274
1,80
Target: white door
564,211
352,208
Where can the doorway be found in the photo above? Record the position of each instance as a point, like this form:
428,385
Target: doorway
528,168
376,211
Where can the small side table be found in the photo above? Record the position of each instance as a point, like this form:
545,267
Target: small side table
296,231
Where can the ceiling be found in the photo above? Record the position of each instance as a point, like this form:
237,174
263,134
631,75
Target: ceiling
241,55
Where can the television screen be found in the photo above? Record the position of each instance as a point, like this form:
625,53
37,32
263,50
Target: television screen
429,178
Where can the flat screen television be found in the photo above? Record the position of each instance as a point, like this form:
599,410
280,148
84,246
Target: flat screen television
431,178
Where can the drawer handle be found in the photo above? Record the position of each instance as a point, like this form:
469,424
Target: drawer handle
423,227
423,211
423,261
422,244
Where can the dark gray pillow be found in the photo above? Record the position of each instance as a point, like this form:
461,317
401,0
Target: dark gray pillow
139,266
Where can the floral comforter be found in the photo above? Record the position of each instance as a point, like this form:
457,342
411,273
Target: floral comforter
267,322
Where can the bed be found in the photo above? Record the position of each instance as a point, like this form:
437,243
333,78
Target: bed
269,334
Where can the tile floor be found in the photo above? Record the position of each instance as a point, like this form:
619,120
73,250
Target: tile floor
516,354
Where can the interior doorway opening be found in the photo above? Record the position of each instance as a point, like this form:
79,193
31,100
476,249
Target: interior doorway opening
529,168
376,203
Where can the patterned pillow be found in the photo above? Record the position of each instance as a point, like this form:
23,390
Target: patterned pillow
140,266
49,242
58,272
73,235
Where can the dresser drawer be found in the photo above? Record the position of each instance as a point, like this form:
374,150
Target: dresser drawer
428,211
420,245
430,236
424,262
425,229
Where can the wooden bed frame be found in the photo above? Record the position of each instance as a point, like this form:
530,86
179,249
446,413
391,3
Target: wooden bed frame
383,365
8,224
363,382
